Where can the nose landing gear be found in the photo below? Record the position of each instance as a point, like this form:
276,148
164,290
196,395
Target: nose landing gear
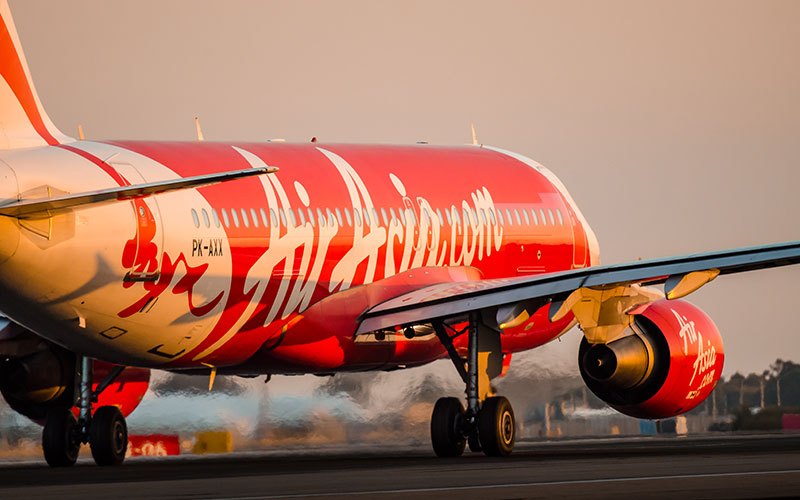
488,423
105,431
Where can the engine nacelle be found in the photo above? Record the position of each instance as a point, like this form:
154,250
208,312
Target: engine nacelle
669,363
36,382
37,376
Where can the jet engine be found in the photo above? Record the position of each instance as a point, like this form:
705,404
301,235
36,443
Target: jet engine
669,362
37,376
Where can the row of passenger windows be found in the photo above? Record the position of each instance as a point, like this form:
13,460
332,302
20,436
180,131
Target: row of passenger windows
471,217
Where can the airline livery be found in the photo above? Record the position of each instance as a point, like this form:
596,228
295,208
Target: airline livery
118,257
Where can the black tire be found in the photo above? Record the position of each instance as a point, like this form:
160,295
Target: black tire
446,423
474,442
496,427
108,436
60,442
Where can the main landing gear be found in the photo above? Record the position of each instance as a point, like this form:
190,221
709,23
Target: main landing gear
487,423
105,431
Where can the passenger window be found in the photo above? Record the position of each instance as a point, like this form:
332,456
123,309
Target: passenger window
311,217
413,218
225,217
500,218
439,215
216,217
292,217
527,219
321,218
393,216
449,219
264,218
535,219
244,218
375,216
301,216
542,217
205,218
347,216
283,217
254,216
385,219
402,216
474,218
552,219
366,217
235,217
509,218
330,216
195,219
357,217
560,218
483,217
467,221
491,217
427,216
273,217
516,213
339,216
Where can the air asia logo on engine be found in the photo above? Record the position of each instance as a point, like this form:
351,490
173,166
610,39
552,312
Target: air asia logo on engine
706,355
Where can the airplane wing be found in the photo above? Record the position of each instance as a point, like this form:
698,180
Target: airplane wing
584,291
26,208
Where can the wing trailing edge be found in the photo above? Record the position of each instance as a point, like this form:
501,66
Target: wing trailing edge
681,275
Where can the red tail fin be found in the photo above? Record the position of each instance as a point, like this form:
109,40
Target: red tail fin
23,122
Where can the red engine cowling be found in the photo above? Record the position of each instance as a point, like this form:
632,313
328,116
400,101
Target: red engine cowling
668,365
127,390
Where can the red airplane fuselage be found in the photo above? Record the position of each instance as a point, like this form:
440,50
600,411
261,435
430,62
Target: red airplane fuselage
245,260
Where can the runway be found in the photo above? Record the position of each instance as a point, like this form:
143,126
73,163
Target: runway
752,466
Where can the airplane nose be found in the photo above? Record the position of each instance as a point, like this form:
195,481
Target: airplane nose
9,229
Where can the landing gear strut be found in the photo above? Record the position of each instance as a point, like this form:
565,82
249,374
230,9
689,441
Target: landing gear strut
105,431
488,423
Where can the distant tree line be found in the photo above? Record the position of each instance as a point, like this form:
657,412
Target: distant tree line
778,386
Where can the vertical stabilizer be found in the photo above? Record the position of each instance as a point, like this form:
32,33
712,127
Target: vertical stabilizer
23,122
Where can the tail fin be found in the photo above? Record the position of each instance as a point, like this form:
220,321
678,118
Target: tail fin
23,122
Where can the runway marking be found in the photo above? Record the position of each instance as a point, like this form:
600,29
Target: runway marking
512,485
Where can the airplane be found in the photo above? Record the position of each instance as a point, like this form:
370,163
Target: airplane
119,257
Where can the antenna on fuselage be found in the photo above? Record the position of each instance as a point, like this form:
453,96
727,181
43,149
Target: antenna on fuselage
474,135
212,375
199,131
80,133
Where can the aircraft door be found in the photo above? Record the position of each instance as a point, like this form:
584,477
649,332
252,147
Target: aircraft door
142,253
579,242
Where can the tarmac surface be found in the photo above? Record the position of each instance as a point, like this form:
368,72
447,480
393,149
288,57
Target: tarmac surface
751,466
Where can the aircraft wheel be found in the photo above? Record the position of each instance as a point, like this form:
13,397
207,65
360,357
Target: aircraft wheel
496,427
108,436
474,442
60,441
446,423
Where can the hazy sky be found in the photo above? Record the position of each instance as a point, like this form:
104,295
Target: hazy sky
675,125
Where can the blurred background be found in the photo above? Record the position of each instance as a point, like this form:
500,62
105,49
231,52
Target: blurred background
674,125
